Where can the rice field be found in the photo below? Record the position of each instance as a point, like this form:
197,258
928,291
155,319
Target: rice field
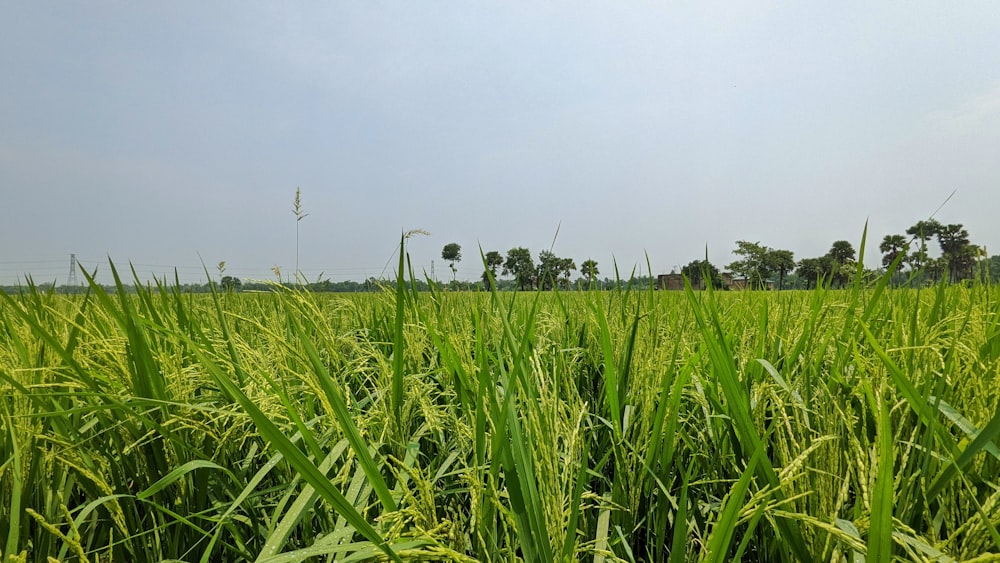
626,425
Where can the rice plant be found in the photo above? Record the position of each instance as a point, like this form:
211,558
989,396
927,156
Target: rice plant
625,425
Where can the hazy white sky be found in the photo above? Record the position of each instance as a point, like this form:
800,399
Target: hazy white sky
170,133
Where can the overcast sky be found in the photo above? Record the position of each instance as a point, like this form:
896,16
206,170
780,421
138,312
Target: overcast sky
171,134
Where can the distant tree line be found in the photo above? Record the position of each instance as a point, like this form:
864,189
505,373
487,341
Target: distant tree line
549,273
906,255
758,266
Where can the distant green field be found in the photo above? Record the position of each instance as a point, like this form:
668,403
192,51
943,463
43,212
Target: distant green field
614,425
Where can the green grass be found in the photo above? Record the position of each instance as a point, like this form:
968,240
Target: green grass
627,425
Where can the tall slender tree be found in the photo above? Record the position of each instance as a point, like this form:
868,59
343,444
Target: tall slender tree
567,265
781,261
452,253
922,231
493,261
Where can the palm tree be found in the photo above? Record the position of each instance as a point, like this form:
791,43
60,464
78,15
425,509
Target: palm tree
891,247
957,250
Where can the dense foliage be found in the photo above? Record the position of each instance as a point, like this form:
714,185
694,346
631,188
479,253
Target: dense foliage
615,425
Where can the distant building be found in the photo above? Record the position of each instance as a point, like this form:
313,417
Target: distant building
675,282
734,284
672,281
739,284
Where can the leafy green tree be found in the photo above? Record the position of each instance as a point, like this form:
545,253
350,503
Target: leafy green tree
843,273
935,268
589,269
922,231
493,261
452,253
966,261
699,272
520,265
753,265
812,270
230,283
567,265
549,269
990,269
780,261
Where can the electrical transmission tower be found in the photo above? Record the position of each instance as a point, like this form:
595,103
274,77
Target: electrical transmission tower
72,270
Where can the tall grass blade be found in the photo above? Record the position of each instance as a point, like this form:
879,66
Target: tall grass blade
881,527
309,472
985,440
738,409
13,466
679,542
398,343
336,398
918,403
718,544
